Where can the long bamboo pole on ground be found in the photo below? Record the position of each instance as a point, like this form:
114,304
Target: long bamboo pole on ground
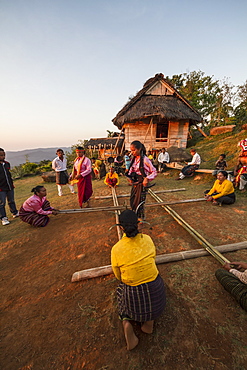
127,195
162,258
117,212
119,207
209,247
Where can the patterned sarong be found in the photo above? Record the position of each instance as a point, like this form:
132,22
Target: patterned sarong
35,219
62,178
85,189
234,286
137,196
144,302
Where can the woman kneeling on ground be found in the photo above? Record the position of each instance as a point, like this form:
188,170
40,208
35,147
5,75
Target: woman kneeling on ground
35,210
141,293
222,191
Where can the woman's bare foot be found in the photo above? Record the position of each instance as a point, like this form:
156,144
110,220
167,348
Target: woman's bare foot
130,337
148,327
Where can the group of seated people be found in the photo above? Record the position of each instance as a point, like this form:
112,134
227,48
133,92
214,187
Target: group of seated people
35,210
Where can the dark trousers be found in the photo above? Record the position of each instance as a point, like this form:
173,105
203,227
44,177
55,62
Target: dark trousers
226,199
11,202
234,286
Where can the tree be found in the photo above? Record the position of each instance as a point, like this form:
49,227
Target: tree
212,98
240,112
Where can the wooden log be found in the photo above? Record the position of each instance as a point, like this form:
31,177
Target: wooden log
162,258
127,195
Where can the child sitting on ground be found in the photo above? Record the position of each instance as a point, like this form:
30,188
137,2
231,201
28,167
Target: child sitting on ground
111,178
220,164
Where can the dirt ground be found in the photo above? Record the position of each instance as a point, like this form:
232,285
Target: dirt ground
48,322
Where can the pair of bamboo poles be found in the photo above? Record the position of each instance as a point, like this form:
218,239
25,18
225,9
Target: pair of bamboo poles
201,240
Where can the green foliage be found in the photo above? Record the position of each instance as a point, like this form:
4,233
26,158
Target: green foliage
218,102
30,167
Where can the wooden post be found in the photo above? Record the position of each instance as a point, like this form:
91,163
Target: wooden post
114,150
150,124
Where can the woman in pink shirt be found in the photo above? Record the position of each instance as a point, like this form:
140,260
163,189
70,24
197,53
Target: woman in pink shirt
141,171
35,210
81,175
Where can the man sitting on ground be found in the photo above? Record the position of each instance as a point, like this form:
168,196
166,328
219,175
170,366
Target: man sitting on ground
163,159
191,167
234,281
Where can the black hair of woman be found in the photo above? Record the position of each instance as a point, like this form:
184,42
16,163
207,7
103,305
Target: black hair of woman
223,155
37,189
224,173
129,221
138,145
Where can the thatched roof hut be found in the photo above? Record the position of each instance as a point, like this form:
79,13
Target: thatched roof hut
106,147
158,104
107,142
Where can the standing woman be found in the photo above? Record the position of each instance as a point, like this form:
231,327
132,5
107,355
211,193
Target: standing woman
140,173
59,165
81,175
141,293
35,210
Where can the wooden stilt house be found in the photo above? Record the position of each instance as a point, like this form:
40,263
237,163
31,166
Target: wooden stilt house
159,116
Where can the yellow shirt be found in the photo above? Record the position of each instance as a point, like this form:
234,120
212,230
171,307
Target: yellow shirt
133,260
225,188
110,175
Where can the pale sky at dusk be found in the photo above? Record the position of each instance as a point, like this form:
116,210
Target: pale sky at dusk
68,67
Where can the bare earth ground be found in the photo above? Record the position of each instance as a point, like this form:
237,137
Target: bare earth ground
50,323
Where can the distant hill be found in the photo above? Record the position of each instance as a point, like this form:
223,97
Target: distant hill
33,155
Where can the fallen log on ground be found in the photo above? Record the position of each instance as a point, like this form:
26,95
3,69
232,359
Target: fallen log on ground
162,258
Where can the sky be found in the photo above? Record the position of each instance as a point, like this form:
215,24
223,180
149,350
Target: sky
68,66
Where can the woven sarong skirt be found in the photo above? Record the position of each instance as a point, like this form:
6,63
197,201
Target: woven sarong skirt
62,177
34,218
144,302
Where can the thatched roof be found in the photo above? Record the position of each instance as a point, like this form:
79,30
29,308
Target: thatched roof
163,103
106,142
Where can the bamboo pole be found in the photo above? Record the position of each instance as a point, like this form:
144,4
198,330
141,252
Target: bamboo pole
118,207
192,231
127,195
162,258
117,212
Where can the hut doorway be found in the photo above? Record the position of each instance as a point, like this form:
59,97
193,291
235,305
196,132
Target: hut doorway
162,131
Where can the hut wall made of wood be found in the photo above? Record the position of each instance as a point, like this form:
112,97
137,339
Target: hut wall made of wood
177,135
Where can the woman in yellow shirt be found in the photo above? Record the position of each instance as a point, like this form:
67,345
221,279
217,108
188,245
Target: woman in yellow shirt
141,293
222,191
111,178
